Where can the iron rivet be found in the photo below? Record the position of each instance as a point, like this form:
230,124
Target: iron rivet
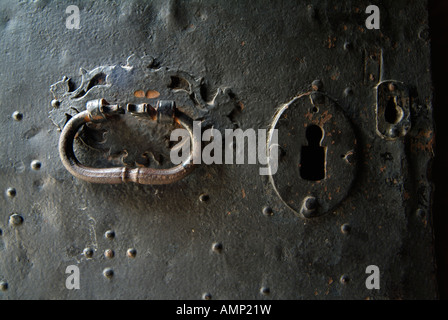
349,157
311,204
217,247
15,219
88,252
424,34
108,273
317,85
346,228
207,296
131,253
420,213
110,234
265,291
17,116
36,165
344,279
348,92
348,45
109,253
3,286
204,197
55,103
392,87
11,192
267,211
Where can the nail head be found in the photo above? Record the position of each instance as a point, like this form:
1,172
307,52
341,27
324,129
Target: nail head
207,296
108,273
17,116
109,234
344,279
88,252
265,291
109,253
267,211
11,192
36,165
131,253
3,286
15,219
55,103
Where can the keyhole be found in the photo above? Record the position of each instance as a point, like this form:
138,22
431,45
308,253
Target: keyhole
393,113
312,162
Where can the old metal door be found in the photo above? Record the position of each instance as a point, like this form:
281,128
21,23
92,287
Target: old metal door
352,96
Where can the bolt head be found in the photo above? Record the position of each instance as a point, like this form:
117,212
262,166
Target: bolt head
346,228
88,252
348,91
311,204
267,211
108,273
3,286
15,219
131,253
109,234
265,291
55,103
36,165
348,45
207,296
11,192
217,247
344,279
109,253
350,157
17,116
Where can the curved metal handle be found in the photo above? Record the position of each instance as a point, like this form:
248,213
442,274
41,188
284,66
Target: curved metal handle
100,111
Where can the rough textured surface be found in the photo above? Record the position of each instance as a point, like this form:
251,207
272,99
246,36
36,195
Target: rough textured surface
439,26
265,54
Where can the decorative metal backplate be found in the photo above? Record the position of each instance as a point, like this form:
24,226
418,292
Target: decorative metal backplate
314,167
129,140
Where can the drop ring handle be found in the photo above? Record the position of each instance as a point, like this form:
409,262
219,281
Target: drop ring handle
100,110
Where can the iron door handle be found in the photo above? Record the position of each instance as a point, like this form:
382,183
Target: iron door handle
99,111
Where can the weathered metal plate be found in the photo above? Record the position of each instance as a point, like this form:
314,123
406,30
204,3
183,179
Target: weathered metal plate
318,165
260,57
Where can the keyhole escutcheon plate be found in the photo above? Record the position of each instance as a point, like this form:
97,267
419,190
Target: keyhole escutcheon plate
393,116
317,157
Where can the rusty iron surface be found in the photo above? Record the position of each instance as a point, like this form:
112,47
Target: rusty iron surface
222,232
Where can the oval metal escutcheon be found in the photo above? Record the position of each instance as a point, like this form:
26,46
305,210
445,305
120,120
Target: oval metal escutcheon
317,158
